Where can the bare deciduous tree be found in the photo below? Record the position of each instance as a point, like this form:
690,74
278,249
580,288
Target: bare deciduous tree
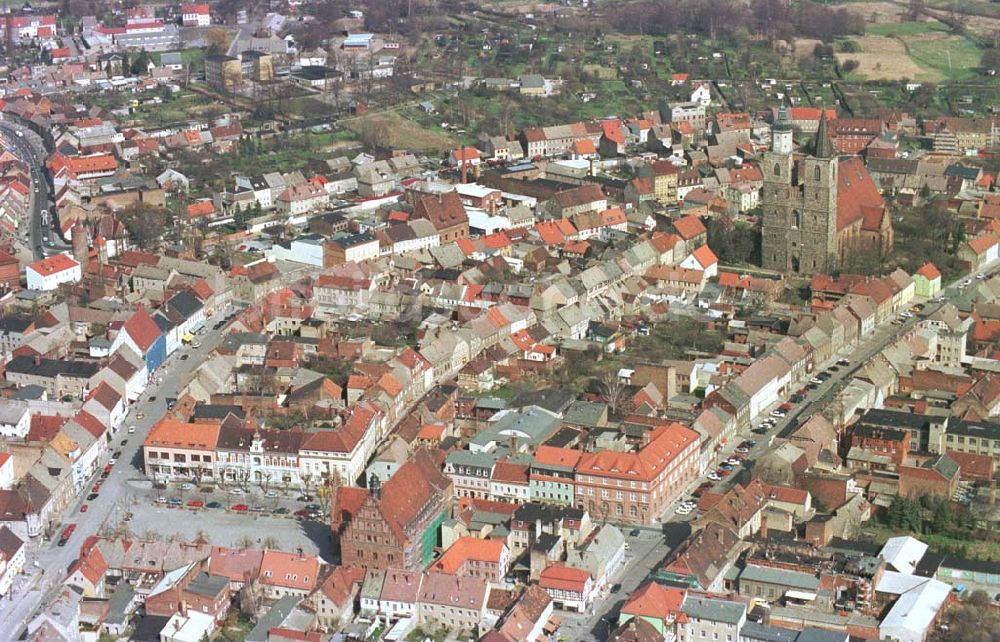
613,391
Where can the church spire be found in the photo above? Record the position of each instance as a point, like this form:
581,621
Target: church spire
824,148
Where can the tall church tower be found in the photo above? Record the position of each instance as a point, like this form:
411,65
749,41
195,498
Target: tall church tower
81,246
799,203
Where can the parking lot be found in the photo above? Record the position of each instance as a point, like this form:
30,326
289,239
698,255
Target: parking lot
230,528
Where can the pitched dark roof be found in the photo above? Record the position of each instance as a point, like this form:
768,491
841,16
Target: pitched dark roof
824,147
51,368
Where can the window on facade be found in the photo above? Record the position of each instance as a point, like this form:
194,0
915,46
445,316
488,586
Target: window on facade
817,174
619,510
777,169
796,218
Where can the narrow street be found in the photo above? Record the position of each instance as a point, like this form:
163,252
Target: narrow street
47,563
651,546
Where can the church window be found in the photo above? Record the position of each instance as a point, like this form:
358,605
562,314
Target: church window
795,264
796,218
777,169
817,175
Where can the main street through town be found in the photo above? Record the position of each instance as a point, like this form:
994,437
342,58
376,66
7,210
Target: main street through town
47,562
648,547
28,146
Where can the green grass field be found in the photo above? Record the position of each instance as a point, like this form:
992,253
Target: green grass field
904,28
954,57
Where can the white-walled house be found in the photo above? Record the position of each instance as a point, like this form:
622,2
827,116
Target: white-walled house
50,273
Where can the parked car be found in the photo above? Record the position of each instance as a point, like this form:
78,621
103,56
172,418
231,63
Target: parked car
301,514
843,362
173,501
235,491
213,505
91,497
161,500
634,532
242,508
195,503
96,488
83,509
683,510
281,510
714,476
131,429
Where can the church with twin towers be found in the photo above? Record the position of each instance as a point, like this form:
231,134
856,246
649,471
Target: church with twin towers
819,208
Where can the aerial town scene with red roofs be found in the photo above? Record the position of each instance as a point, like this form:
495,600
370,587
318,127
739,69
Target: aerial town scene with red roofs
499,321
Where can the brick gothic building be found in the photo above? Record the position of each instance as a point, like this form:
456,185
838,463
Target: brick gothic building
818,209
446,213
395,524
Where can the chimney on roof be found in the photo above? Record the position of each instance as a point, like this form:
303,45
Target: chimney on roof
763,527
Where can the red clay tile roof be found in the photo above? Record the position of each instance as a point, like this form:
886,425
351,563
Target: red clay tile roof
554,456
237,564
90,423
142,329
929,271
348,501
200,208
444,211
858,198
982,243
408,491
339,584
666,443
554,232
469,548
171,433
655,600
510,473
705,256
45,427
563,578
663,168
580,195
289,570
689,227
54,264
811,113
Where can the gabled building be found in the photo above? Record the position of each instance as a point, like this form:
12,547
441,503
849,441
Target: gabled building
397,523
